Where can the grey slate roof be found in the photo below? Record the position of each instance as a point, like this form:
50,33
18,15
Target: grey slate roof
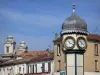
74,24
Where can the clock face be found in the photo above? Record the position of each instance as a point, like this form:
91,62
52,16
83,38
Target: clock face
82,43
69,42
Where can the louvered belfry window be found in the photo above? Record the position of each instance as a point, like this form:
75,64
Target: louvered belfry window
7,48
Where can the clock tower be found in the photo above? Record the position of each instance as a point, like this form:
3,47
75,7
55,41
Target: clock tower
74,43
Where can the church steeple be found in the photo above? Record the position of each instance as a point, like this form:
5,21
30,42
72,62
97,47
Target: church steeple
9,45
22,46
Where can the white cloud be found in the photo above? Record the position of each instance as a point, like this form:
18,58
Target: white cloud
31,18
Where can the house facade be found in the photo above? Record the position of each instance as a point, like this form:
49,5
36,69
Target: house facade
28,65
22,61
92,56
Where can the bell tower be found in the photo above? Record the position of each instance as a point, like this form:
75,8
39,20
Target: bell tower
22,46
74,40
9,45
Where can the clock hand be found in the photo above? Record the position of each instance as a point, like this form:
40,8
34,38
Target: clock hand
69,42
82,43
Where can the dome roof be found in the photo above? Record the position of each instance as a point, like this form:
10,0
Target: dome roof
22,46
9,40
74,24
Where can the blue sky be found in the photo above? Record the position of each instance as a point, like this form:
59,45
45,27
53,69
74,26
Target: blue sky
36,21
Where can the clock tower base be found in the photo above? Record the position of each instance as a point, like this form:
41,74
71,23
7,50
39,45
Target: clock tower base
74,60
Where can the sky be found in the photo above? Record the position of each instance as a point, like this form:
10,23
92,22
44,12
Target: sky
37,21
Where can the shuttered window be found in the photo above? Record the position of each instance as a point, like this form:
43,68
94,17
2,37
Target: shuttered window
43,67
36,67
19,69
28,69
96,65
49,67
33,68
59,62
96,49
58,50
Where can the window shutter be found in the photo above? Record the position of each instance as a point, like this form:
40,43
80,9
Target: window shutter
36,67
96,49
33,68
49,67
43,67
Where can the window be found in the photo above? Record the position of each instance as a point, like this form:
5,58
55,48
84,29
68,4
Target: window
96,49
7,49
59,63
58,50
36,67
19,69
96,65
43,67
33,68
28,69
14,45
49,67
3,69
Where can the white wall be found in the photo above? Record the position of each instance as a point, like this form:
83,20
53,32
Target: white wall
18,57
23,68
7,70
39,65
15,69
10,48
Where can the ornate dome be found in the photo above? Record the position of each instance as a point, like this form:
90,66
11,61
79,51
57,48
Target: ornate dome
10,40
74,24
22,46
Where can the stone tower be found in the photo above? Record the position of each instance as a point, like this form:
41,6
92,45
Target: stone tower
22,46
9,45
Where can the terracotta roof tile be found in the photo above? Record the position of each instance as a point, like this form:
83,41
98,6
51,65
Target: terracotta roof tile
38,58
93,37
33,53
4,59
34,56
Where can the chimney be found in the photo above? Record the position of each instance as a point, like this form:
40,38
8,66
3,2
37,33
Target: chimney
56,36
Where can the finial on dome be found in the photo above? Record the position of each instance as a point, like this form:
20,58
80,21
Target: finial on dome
22,42
73,7
9,37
